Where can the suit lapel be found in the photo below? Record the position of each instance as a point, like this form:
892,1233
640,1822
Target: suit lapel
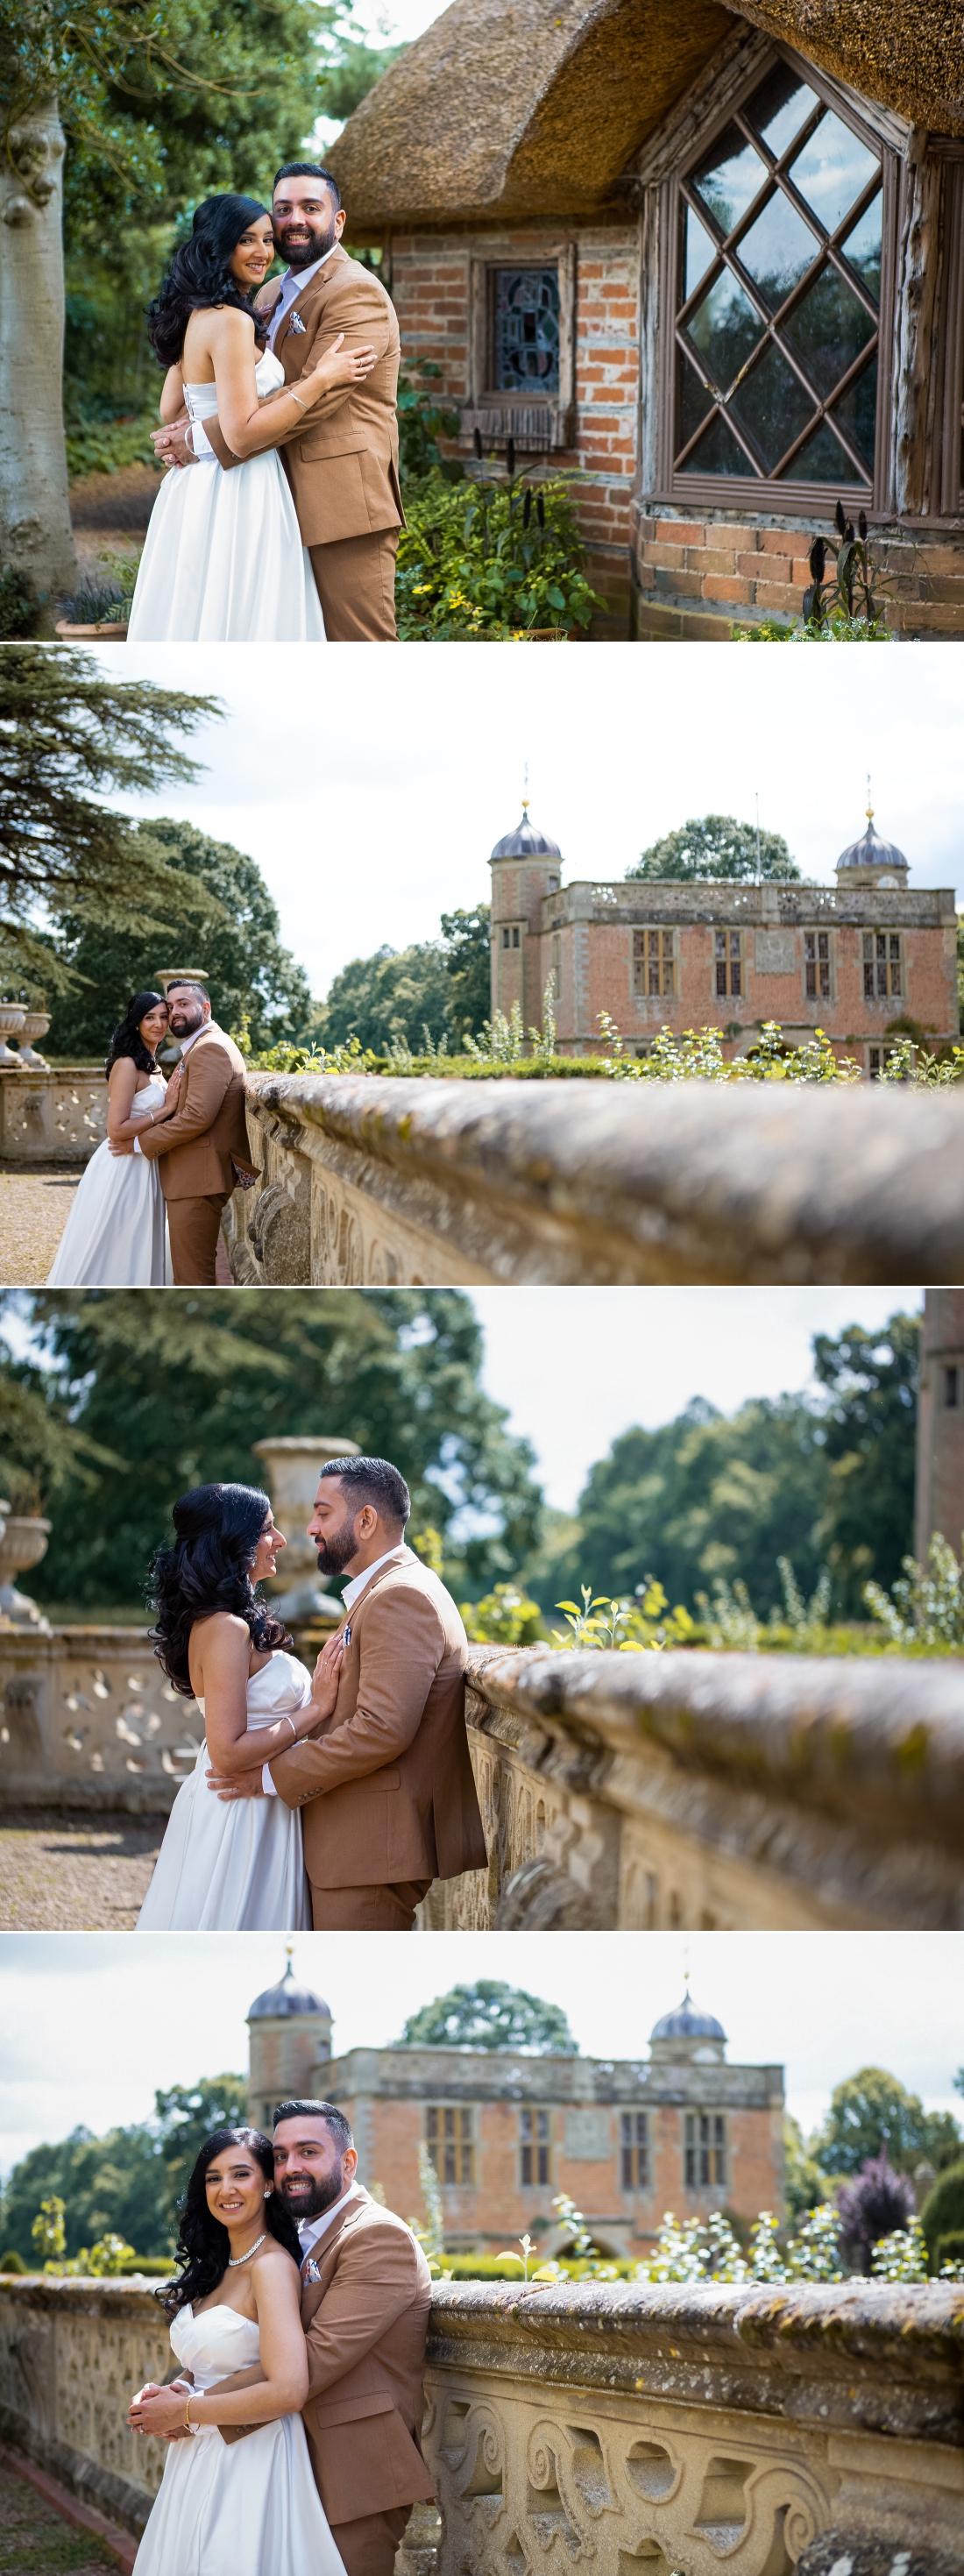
312,2292
312,293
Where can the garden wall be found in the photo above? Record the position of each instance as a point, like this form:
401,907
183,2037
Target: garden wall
371,1181
59,1116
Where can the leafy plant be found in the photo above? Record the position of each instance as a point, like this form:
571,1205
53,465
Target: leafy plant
494,559
431,2237
21,606
925,1607
627,1626
504,1617
422,421
106,446
729,1618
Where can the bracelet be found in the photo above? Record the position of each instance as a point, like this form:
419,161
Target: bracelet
187,2414
297,398
294,1730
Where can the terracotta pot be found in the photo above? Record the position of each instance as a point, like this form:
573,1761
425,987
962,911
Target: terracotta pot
101,634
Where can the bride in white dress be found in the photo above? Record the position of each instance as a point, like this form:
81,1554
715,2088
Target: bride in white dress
232,1865
116,1233
223,561
231,2507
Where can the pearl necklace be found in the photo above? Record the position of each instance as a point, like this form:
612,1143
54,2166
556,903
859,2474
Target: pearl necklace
235,2259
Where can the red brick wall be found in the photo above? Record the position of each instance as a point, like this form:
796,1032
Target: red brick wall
698,574
928,996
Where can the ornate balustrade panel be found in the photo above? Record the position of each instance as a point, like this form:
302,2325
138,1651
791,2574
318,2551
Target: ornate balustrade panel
693,2429
414,1182
88,1720
644,2431
712,1791
72,2354
59,1116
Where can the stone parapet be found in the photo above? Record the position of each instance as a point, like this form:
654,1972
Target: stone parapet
57,1116
712,1791
669,2428
371,1181
88,1721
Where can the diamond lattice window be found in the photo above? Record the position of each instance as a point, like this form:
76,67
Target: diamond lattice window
778,298
526,331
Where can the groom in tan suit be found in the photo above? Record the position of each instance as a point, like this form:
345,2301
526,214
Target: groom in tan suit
342,460
196,1150
385,1785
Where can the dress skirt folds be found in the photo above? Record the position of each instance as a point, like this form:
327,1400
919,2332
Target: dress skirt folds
234,1865
248,2508
223,561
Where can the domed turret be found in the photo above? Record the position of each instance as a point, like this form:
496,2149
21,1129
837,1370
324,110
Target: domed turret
526,842
290,2038
526,867
871,861
687,2035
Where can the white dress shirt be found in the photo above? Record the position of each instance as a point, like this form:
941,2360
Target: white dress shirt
293,284
311,2230
349,1593
186,1045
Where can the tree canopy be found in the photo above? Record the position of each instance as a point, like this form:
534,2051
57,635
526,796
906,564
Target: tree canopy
174,1394
67,737
716,846
251,976
128,2182
873,2110
443,985
490,2014
714,1495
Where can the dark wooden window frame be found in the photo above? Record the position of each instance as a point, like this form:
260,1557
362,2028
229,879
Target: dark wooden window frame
713,2150
751,492
816,931
658,931
450,2137
534,2147
635,2151
498,414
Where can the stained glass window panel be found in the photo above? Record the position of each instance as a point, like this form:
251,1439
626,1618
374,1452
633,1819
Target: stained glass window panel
773,406
699,251
527,330
729,178
832,170
828,330
778,250
862,246
780,108
725,329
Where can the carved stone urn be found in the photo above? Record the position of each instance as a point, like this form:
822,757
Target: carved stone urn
23,1544
12,1018
35,1025
292,1467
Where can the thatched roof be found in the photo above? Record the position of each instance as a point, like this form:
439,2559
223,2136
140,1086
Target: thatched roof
512,107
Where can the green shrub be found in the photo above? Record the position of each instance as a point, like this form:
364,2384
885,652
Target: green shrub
105,446
20,606
13,2262
489,559
422,421
949,2248
153,2266
506,1617
943,2211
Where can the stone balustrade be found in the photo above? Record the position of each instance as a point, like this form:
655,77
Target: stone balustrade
88,1721
55,1116
670,2429
751,1792
369,1180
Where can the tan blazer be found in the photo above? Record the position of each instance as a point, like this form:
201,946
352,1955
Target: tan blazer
386,1783
195,1149
341,458
365,2320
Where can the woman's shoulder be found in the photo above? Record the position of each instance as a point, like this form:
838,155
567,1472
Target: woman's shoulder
224,1624
267,2266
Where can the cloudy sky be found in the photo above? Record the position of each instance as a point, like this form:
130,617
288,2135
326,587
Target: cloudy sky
372,804
89,2029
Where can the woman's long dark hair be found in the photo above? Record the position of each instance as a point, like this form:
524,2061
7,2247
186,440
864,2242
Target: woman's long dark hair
127,1039
203,2245
207,1569
199,276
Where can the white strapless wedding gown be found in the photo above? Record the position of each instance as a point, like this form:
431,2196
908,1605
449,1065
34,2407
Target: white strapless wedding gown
116,1233
246,2508
223,562
236,1864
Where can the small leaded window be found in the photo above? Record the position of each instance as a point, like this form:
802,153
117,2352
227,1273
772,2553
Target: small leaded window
534,2137
654,962
634,2150
816,953
728,961
882,964
450,2139
704,2154
778,296
526,331
510,934
951,1377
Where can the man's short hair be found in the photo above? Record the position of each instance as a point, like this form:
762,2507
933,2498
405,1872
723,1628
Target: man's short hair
327,2111
374,1481
309,170
188,984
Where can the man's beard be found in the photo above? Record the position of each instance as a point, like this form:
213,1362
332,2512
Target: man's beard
337,1551
304,254
310,2199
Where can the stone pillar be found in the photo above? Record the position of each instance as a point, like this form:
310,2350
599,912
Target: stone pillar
940,1422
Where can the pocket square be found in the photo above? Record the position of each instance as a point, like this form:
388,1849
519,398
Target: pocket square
309,2271
296,324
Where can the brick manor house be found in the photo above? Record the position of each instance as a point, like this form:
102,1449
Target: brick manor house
710,260
863,960
680,2129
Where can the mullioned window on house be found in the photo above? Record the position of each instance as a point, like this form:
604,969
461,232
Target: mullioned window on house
534,2145
450,2138
816,956
704,2149
634,2150
654,962
728,961
883,964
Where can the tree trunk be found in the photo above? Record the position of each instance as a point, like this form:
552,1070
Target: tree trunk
35,532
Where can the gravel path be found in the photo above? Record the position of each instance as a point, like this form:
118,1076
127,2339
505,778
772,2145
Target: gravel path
70,1873
34,1208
